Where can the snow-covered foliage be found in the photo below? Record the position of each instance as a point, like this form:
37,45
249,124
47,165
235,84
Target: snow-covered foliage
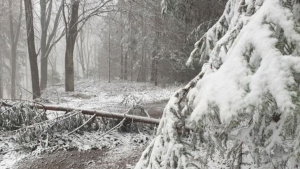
28,132
119,144
242,110
15,116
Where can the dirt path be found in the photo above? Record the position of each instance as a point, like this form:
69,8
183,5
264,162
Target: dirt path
117,158
91,159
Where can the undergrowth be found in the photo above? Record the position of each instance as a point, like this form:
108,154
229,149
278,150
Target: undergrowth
31,128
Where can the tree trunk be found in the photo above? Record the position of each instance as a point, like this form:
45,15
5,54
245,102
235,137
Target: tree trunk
133,118
1,84
99,62
131,68
44,71
122,63
13,53
152,78
121,49
13,72
70,40
14,39
44,58
122,57
27,79
131,52
81,53
1,76
109,52
156,74
88,55
31,50
142,71
47,42
154,65
125,67
154,61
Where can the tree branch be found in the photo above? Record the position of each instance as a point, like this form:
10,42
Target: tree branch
134,118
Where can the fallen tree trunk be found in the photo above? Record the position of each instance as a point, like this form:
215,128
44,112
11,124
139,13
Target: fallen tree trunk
100,113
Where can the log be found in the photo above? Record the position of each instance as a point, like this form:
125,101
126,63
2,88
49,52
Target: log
121,116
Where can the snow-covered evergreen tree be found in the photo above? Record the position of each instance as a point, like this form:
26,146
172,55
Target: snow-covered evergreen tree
243,107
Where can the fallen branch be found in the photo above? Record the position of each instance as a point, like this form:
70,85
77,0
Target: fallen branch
117,126
100,113
83,124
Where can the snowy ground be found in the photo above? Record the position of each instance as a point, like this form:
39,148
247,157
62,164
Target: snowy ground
122,149
108,96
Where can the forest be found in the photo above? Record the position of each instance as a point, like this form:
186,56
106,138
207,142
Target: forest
101,40
150,84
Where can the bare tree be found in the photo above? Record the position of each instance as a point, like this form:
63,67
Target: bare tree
48,39
84,51
75,24
154,60
71,34
81,59
142,71
1,59
109,50
14,39
31,50
121,48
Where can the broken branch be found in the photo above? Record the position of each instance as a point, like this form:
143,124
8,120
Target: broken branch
83,124
101,113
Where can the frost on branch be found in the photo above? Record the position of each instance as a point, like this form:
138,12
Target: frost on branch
243,108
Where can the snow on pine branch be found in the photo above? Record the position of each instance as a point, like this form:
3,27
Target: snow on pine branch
245,102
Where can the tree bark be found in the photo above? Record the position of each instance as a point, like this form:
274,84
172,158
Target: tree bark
1,76
134,118
13,53
81,53
99,62
142,71
131,67
122,63
156,73
70,40
121,48
109,52
154,70
88,54
154,60
121,51
125,66
31,50
44,58
131,52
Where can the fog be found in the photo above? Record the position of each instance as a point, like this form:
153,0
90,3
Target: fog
102,40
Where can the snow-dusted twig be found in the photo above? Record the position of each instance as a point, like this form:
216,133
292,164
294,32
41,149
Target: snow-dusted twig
46,122
116,127
83,124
